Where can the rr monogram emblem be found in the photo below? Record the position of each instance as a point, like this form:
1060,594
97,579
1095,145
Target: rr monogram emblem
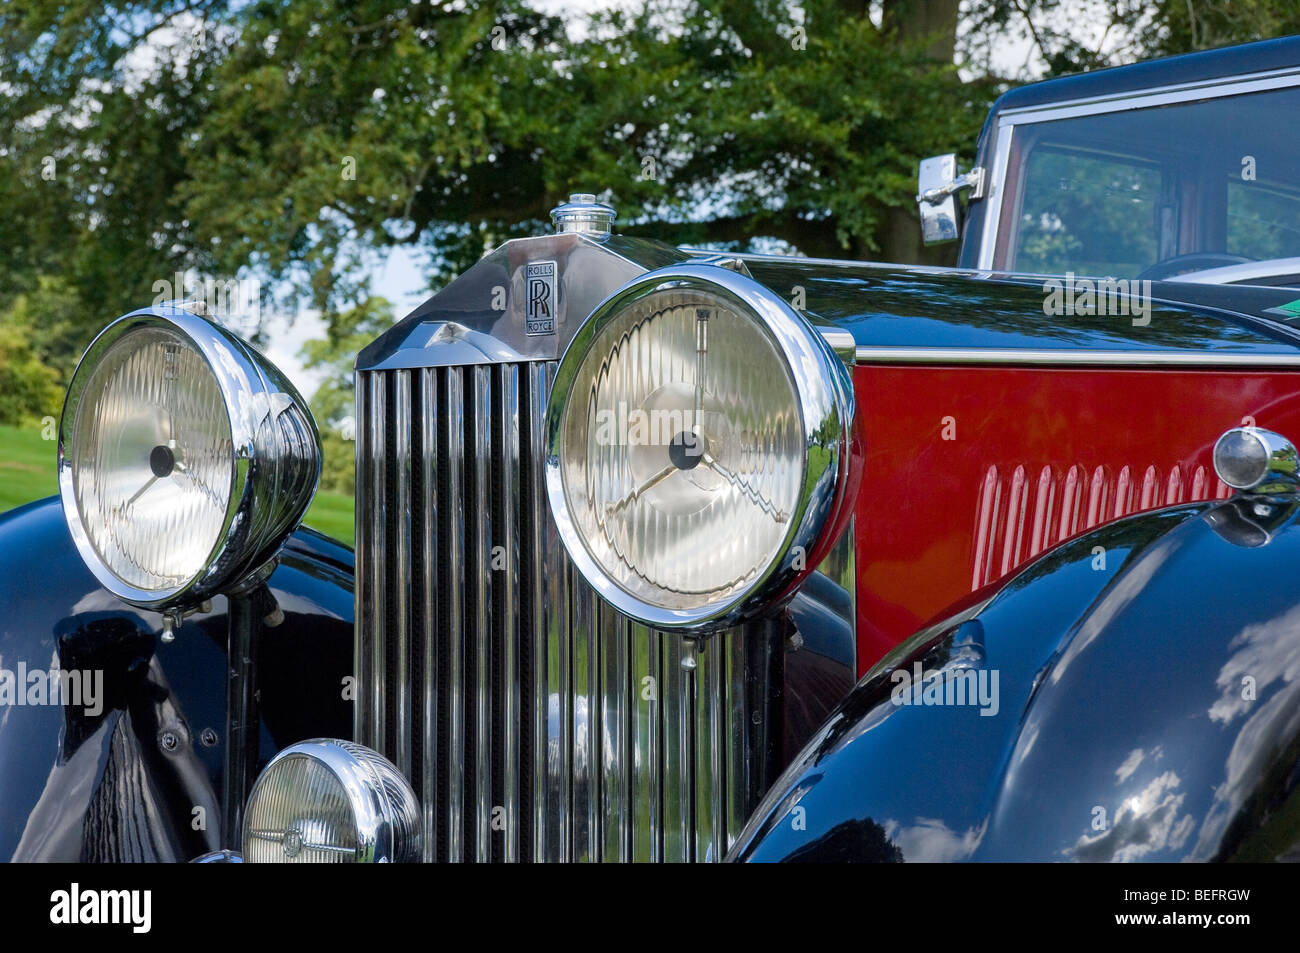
540,300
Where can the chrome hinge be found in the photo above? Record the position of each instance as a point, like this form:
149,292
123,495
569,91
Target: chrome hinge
973,180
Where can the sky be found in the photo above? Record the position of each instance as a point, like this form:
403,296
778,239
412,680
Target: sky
400,278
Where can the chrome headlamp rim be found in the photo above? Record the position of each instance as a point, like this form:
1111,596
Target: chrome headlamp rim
824,394
250,388
368,779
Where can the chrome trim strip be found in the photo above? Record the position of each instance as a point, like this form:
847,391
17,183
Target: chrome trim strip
1059,356
560,609
585,791
678,698
533,626
709,750
993,197
1242,274
737,730
546,590
840,341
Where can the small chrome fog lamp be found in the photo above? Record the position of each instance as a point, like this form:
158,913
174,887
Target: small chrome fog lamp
185,458
327,801
1260,461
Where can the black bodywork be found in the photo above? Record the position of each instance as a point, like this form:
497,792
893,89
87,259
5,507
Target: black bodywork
140,779
1148,708
897,306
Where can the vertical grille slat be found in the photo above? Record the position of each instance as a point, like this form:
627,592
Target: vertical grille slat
534,721
647,803
506,582
430,776
677,756
363,687
399,469
533,639
452,636
584,712
612,743
376,684
709,751
477,576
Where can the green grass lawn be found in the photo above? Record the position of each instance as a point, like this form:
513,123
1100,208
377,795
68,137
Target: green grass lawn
27,473
26,466
331,513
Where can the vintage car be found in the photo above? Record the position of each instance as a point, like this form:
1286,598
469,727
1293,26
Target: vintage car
673,555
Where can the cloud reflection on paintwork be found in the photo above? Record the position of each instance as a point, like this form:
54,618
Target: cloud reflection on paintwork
1145,823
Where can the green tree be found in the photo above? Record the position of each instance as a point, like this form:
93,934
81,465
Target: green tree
29,390
334,400
53,316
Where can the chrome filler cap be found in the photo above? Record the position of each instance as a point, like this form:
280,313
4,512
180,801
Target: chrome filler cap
583,214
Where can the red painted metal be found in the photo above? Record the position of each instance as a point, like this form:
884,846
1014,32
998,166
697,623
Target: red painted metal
1037,455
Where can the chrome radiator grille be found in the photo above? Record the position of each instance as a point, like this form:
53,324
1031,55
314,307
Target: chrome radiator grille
534,721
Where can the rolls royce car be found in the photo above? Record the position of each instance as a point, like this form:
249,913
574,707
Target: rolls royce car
670,554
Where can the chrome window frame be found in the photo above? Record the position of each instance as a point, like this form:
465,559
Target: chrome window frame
1009,120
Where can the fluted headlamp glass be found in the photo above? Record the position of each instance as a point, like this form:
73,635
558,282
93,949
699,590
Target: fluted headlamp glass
683,449
185,458
151,460
698,438
328,801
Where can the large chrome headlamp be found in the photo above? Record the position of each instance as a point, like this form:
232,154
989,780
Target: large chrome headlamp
698,446
185,458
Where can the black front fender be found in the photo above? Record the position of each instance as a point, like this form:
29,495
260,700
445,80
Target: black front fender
1136,697
120,758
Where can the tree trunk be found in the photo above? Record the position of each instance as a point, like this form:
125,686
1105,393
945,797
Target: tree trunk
898,232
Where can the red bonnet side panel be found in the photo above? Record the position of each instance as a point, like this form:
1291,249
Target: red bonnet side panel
971,471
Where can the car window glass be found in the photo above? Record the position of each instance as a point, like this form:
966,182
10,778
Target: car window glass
1263,220
1091,214
1203,183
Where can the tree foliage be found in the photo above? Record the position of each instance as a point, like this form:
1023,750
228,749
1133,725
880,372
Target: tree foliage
285,139
29,389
